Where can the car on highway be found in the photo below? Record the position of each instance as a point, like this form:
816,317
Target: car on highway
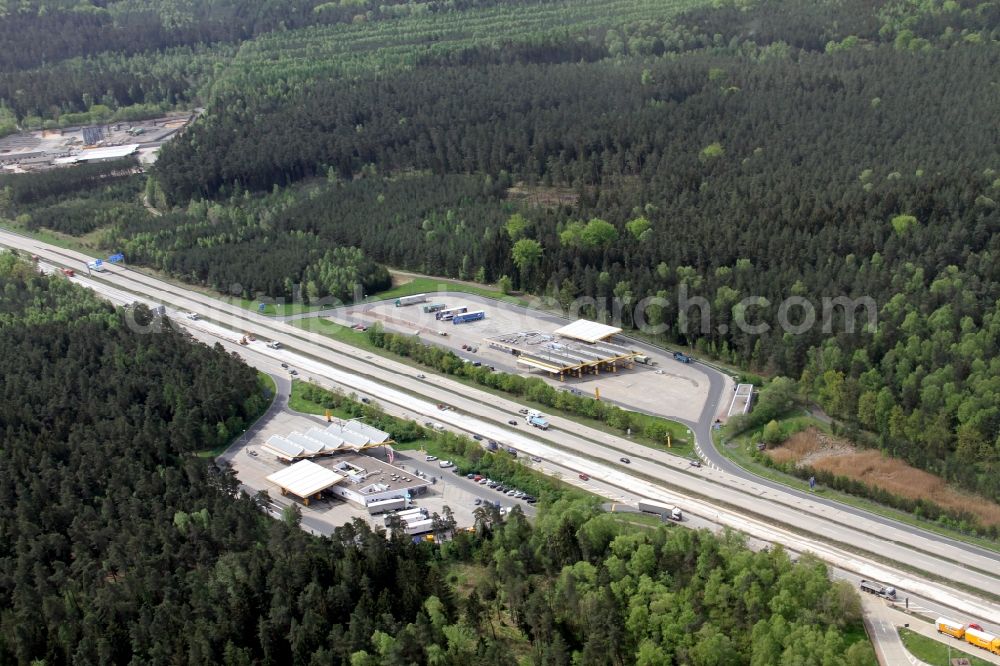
536,459
625,460
365,400
512,422
251,452
522,411
445,464
584,477
421,376
695,463
293,371
478,438
430,458
285,366
478,501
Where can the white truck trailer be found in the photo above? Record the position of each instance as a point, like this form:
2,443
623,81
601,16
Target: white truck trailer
382,506
663,510
419,526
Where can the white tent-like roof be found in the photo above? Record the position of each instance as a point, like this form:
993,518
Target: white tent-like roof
331,442
282,448
374,434
354,440
587,331
305,479
311,446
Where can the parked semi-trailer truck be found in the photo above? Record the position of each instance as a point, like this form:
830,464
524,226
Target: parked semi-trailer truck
434,307
419,526
381,506
411,300
404,515
468,316
448,315
663,510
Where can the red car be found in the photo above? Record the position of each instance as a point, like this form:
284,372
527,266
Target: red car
584,477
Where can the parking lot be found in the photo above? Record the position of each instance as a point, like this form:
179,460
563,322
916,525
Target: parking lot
253,466
666,387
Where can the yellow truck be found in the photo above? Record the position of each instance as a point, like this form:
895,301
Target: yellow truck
983,640
950,627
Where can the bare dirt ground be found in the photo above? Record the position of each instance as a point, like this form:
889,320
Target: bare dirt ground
543,196
824,452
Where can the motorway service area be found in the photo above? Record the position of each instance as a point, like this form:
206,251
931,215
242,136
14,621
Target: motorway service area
578,357
929,571
332,487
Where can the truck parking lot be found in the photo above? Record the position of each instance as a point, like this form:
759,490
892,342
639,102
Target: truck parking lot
664,386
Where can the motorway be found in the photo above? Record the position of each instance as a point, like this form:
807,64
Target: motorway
705,446
580,449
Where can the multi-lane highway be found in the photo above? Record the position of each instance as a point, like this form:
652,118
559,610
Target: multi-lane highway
772,513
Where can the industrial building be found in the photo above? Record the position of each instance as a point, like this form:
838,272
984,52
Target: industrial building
368,480
359,479
583,347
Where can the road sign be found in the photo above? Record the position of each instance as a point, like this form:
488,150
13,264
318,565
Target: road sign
98,262
115,258
261,307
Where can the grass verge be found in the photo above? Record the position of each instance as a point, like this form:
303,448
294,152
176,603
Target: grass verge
427,285
681,442
936,652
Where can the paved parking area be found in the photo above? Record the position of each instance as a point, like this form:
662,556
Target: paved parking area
447,488
667,388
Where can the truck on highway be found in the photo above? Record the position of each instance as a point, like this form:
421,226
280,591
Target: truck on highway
382,506
538,421
683,358
434,307
664,511
468,316
645,360
96,265
411,300
878,589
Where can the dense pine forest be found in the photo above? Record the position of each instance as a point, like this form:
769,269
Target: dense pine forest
121,546
621,149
